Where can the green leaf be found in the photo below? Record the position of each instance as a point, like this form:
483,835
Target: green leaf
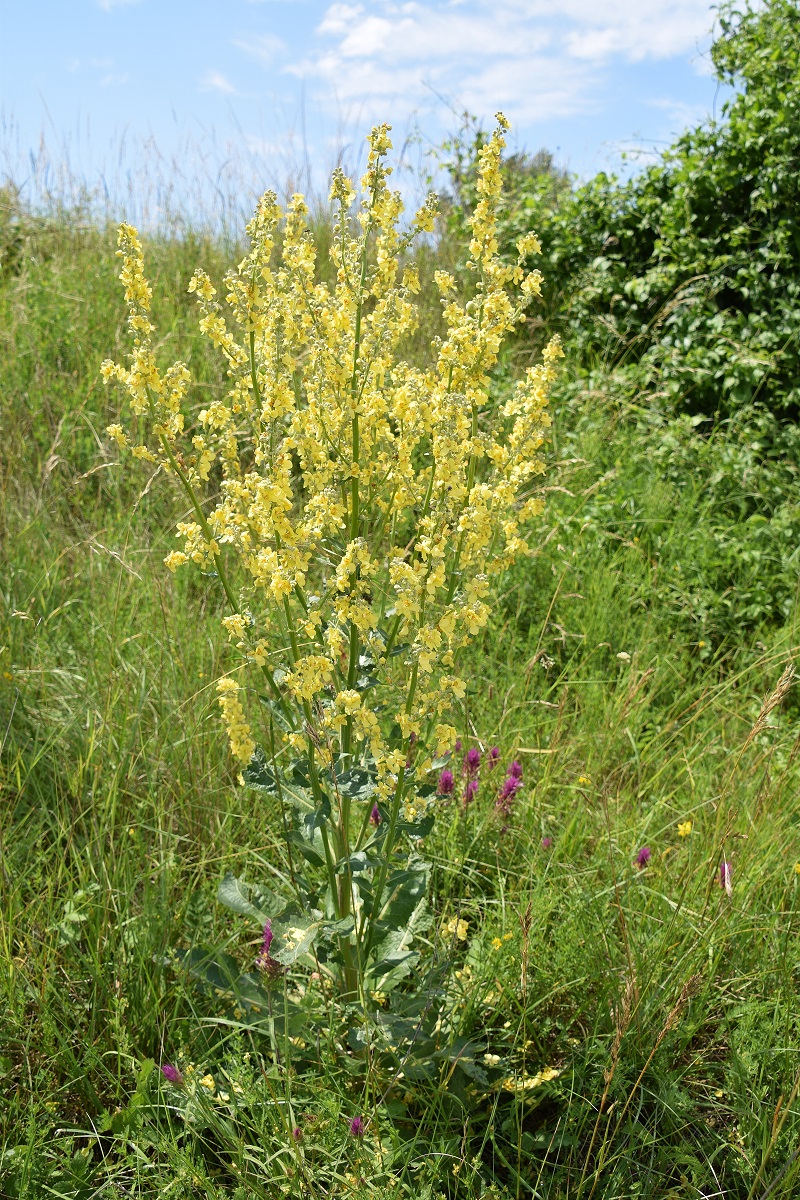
357,784
258,775
275,710
215,968
248,899
404,891
294,932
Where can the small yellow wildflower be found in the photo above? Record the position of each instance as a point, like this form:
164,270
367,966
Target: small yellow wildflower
797,868
456,926
684,828
497,942
118,434
175,559
525,1083
208,1083
235,626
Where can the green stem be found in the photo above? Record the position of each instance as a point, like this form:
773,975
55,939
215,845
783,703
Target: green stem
253,372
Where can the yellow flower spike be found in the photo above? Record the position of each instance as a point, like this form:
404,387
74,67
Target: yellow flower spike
242,744
357,499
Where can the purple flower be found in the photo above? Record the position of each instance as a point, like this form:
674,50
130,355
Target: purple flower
472,763
264,960
375,816
470,791
546,843
357,1127
494,757
457,746
511,785
643,857
172,1074
725,877
446,783
297,1133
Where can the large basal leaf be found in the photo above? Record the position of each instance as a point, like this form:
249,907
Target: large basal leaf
213,967
249,899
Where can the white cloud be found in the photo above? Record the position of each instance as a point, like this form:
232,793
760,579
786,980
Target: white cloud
215,81
529,57
265,48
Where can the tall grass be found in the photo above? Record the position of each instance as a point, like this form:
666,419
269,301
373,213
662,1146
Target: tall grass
618,672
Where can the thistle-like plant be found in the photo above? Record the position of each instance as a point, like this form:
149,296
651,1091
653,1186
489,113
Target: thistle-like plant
355,509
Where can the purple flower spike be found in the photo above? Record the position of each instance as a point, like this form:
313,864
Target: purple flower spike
494,757
470,791
472,763
643,857
546,843
457,746
725,877
511,785
446,783
172,1074
264,960
375,816
357,1127
297,1133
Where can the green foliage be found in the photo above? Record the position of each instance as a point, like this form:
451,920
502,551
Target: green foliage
629,662
687,278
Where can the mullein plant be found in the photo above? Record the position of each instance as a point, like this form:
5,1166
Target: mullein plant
355,509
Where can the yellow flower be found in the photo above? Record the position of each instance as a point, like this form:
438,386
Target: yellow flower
684,828
355,497
497,942
242,744
457,927
797,868
525,1083
175,559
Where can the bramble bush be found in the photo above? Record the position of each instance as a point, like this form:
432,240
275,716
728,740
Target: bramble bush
687,277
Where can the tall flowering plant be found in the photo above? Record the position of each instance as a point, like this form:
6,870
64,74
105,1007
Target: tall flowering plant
354,508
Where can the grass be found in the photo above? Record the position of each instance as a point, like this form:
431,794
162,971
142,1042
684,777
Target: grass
626,668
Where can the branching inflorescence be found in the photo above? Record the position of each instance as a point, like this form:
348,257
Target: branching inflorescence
361,505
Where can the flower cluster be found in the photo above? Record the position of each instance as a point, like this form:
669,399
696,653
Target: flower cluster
264,960
368,501
511,785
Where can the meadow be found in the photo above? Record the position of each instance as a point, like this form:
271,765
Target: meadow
602,1000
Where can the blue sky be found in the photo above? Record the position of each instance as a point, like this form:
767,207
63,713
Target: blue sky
254,89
